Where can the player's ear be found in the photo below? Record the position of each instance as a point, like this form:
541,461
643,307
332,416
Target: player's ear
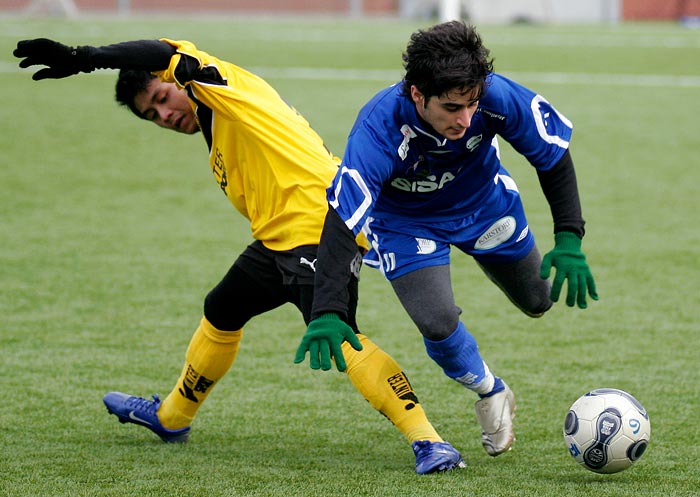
417,96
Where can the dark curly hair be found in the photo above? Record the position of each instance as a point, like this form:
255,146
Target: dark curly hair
129,83
444,57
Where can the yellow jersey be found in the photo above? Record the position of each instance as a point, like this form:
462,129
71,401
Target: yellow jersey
270,163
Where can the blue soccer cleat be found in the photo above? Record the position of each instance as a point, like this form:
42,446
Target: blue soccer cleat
433,457
140,411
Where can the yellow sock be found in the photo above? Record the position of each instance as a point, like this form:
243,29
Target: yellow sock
209,356
379,379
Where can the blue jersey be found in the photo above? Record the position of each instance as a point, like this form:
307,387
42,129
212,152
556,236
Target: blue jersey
397,167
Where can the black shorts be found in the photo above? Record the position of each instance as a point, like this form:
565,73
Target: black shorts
261,280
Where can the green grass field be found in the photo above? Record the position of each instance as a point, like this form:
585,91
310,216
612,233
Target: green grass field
112,231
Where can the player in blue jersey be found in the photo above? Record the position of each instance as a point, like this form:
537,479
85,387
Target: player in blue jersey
421,174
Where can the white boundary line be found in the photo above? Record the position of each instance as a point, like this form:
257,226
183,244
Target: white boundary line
387,76
654,80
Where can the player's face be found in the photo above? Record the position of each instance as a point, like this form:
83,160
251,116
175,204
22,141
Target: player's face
167,106
451,113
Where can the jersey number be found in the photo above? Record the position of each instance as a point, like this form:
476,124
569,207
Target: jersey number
389,261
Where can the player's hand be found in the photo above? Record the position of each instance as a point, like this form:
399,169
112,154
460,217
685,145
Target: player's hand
323,339
570,263
62,60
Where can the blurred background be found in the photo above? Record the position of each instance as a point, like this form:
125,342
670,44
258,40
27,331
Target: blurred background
477,11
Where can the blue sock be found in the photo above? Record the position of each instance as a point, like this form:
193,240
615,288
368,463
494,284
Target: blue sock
498,386
458,356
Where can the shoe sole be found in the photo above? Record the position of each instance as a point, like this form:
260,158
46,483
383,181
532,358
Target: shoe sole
444,467
182,438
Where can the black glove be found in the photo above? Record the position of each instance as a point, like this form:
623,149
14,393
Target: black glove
62,60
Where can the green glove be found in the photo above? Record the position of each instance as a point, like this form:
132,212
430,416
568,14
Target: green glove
323,338
571,265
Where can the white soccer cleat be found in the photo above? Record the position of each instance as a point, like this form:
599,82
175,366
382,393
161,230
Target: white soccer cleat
495,415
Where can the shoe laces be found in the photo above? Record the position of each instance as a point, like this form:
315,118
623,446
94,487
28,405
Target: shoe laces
144,405
425,448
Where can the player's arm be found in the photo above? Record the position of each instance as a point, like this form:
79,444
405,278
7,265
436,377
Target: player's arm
63,61
337,260
561,191
540,133
351,198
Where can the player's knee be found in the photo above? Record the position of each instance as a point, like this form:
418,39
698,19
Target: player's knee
219,314
537,305
539,311
532,296
438,324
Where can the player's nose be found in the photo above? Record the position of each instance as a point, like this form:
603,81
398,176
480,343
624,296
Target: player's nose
166,115
465,118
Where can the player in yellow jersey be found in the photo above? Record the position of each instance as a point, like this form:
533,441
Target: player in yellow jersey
274,169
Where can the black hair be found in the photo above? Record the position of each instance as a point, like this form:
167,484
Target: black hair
444,57
129,84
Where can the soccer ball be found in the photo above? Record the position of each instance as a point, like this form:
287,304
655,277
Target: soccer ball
607,430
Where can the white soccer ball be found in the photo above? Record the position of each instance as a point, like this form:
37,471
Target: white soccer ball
607,430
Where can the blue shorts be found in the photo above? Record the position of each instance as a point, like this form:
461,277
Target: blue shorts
497,232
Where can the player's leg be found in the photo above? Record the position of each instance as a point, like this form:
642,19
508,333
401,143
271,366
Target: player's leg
454,349
446,338
251,287
382,382
513,263
241,294
520,281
